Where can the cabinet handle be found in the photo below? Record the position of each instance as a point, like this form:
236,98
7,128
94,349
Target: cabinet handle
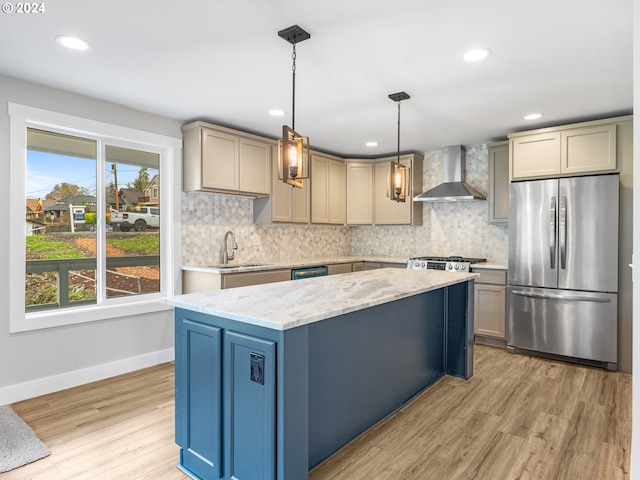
572,298
552,233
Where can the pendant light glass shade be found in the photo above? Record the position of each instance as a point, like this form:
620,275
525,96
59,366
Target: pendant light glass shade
293,157
397,185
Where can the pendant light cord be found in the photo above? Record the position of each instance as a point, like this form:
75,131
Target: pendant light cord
293,101
399,132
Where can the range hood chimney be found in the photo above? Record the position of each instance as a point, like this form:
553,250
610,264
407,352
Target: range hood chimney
454,188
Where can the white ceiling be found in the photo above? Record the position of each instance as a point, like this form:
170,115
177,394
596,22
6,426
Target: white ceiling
222,61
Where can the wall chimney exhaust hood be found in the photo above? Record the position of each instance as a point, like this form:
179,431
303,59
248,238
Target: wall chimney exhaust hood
454,188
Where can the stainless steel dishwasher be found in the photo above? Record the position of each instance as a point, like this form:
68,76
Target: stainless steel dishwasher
308,272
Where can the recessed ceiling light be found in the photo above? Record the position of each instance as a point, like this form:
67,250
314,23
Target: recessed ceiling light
532,116
276,112
476,54
73,43
371,144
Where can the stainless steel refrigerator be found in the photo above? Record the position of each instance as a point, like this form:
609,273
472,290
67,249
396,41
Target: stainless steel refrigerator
563,267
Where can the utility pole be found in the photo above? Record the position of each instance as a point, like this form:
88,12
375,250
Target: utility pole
115,182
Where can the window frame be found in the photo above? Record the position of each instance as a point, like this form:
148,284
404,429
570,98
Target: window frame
170,151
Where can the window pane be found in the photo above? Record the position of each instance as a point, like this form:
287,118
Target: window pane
60,212
133,214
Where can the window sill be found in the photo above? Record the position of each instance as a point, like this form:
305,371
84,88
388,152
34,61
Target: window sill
86,314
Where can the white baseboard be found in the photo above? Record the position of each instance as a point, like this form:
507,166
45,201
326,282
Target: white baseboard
55,383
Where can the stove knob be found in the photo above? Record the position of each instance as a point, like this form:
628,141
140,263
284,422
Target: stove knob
450,266
457,266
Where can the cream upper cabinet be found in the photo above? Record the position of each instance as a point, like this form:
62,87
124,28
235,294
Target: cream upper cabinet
359,193
498,183
286,204
255,166
535,155
337,192
588,149
389,212
576,149
368,202
219,159
328,202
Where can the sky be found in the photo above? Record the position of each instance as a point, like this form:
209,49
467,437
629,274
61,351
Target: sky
46,170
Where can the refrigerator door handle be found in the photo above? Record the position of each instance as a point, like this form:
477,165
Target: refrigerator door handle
572,298
562,232
552,233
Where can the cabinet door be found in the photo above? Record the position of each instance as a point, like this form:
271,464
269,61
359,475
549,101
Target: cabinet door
499,184
359,193
337,193
589,149
300,203
340,268
536,155
219,160
243,279
255,166
250,406
319,189
387,211
489,310
198,396
281,204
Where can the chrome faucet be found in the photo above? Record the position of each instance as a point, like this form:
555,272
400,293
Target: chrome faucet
234,246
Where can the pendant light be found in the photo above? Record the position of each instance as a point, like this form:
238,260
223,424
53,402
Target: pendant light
293,148
397,187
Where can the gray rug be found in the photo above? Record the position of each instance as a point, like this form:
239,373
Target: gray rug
19,445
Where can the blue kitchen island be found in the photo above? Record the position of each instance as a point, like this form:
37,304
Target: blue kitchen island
272,379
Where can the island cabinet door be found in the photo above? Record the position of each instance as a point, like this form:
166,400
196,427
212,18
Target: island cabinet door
198,397
250,407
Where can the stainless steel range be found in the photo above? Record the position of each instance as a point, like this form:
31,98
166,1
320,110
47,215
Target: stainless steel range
448,264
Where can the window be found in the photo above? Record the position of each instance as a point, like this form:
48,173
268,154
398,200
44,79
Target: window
96,246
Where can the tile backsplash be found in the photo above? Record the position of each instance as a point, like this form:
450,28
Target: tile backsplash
448,228
206,217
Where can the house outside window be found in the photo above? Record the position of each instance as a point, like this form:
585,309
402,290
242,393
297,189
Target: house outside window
95,244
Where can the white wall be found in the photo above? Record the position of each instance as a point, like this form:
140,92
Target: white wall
40,361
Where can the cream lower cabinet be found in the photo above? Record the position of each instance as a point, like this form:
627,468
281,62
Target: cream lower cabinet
490,303
376,265
218,159
328,193
243,279
589,147
286,204
201,281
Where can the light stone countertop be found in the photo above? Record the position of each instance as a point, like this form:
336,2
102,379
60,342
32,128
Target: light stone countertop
284,305
272,265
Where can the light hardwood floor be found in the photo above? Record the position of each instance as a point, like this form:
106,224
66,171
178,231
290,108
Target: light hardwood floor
519,417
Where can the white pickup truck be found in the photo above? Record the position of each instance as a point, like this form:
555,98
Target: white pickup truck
139,219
